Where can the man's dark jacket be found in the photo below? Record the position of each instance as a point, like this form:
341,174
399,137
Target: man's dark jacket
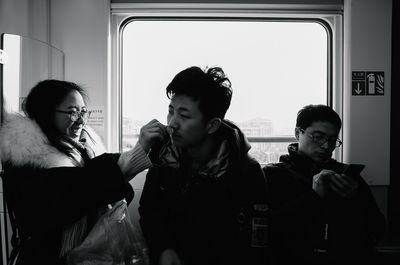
205,216
306,229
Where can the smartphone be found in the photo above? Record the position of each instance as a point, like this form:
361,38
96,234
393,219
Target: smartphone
353,170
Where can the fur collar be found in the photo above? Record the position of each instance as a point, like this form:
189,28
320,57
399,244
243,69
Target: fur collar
23,143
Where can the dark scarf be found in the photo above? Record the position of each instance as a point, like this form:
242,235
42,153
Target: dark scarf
233,147
171,156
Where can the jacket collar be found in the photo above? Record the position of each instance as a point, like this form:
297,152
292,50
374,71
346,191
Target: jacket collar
305,164
233,146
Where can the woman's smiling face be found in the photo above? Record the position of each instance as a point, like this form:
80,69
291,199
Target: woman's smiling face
72,102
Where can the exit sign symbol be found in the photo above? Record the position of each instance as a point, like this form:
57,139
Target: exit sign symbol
358,88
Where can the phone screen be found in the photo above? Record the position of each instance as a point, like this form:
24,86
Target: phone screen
353,170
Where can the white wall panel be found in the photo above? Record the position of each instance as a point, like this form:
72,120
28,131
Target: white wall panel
81,30
366,128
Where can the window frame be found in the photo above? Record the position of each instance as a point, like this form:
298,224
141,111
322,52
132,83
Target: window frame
329,16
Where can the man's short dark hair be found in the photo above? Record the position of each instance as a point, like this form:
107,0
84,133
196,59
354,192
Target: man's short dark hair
313,113
210,87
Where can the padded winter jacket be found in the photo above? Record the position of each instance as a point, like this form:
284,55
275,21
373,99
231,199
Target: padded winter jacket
47,191
306,229
205,216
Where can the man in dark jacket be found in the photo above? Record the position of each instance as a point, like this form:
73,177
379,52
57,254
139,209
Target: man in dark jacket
320,215
199,202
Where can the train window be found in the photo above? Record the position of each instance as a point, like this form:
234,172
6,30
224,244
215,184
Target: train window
275,67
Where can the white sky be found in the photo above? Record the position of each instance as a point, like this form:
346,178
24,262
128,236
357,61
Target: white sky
275,67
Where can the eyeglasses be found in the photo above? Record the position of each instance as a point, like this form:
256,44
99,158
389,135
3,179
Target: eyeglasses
321,139
75,115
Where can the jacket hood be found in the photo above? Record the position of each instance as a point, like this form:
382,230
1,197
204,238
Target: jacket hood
238,140
232,149
23,143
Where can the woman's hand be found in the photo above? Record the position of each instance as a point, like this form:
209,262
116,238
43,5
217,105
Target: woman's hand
136,160
152,133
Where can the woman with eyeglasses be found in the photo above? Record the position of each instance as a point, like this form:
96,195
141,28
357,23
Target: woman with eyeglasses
57,175
320,213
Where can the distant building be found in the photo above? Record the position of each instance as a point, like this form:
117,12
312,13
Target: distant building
257,127
131,127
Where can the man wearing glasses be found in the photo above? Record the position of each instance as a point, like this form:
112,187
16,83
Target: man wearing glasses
319,213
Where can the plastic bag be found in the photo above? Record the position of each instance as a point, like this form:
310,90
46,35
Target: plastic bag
112,241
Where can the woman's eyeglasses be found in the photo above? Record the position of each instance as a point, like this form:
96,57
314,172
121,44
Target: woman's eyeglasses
321,139
76,115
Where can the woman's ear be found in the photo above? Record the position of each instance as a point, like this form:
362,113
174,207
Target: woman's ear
213,125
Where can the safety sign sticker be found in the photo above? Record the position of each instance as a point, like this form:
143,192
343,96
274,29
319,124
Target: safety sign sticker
367,83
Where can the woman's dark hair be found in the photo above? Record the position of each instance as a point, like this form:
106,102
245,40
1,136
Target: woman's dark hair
210,87
42,101
312,113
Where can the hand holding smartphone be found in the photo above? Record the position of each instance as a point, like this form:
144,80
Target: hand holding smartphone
353,170
347,185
